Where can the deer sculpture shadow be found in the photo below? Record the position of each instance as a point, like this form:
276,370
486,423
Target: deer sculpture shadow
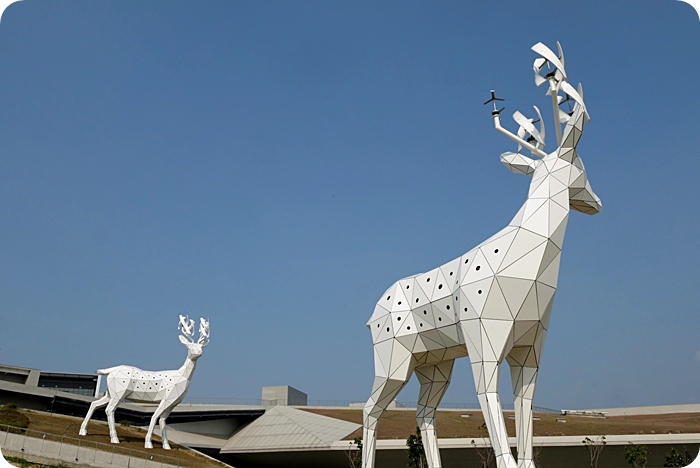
493,303
167,387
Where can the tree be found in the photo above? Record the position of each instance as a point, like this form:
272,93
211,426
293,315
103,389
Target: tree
354,453
485,453
594,448
416,453
536,449
636,455
677,459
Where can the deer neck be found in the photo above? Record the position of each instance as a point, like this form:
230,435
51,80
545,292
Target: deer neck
187,368
546,210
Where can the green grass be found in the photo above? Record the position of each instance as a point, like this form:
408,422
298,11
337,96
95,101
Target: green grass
25,463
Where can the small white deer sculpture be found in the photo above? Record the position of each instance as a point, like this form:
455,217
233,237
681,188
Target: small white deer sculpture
167,387
494,302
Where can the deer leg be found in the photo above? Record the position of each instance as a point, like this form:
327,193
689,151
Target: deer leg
523,370
154,419
383,393
486,379
163,434
386,386
434,380
110,419
93,406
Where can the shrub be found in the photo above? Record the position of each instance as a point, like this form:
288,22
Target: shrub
355,456
636,455
416,453
11,415
677,459
594,448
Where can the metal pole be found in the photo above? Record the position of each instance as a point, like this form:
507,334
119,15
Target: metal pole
24,440
555,110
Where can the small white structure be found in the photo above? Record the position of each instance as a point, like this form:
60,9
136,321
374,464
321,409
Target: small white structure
494,302
167,387
283,395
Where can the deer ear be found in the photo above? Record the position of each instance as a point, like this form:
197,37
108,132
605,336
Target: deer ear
519,163
184,340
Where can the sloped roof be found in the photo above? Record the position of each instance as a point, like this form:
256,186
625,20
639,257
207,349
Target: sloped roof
283,428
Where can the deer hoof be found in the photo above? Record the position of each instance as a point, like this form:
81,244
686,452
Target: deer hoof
148,444
82,432
114,440
166,446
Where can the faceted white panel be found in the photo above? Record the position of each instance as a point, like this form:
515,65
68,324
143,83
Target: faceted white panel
407,287
167,387
495,251
478,270
444,312
515,291
495,301
477,293
525,241
426,281
379,312
496,306
450,271
425,315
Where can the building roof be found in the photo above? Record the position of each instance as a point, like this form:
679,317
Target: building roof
283,428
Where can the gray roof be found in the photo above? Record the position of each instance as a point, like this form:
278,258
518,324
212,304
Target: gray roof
286,428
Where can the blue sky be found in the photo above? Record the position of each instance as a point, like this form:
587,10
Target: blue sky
275,166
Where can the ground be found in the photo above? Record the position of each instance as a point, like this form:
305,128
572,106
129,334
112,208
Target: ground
399,424
130,438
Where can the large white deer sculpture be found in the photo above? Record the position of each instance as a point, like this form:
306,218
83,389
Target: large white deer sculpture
167,387
494,302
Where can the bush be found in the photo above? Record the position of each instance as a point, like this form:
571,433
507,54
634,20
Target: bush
416,453
636,455
19,461
355,456
24,463
677,459
11,415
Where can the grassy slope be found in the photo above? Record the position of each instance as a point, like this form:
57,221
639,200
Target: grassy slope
98,431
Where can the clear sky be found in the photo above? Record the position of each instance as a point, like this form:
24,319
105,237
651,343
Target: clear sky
275,166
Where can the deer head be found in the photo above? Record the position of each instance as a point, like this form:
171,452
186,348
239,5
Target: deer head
564,163
186,326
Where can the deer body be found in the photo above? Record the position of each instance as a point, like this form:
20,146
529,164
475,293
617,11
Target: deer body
167,387
492,304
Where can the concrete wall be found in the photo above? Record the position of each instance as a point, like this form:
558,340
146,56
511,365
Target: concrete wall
19,375
283,395
220,428
50,452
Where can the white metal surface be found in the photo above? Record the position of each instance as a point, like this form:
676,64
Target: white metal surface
494,302
167,387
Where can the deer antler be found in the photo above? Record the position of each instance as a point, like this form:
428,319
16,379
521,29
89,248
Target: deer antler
557,80
203,332
186,326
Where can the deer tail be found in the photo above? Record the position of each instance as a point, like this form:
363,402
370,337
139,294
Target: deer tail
105,371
